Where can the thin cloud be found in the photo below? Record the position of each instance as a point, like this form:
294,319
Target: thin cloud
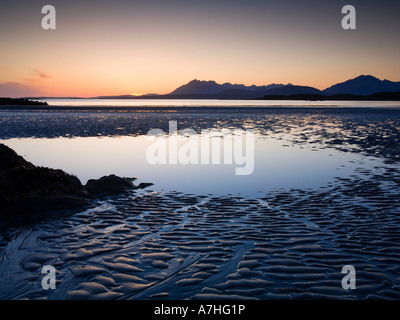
42,74
39,76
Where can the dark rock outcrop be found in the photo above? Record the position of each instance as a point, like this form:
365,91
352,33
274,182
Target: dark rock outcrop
28,190
112,185
109,185
143,185
20,102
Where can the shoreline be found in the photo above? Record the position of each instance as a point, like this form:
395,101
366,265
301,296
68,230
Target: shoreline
188,109
371,131
283,244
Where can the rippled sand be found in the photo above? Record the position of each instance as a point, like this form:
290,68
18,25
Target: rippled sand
286,244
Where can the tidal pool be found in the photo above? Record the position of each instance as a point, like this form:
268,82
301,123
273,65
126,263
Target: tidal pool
277,164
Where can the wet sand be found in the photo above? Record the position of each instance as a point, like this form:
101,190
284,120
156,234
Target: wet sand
285,244
373,131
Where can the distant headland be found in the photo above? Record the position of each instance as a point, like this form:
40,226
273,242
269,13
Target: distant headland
20,102
364,87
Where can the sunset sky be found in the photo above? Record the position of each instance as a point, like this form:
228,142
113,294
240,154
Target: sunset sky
153,46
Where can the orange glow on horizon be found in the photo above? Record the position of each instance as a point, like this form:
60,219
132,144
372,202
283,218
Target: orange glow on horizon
92,51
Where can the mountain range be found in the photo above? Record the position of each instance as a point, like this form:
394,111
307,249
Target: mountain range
364,85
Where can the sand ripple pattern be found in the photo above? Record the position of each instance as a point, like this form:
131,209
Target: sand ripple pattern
288,244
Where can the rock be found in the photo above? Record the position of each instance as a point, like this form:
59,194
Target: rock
109,185
143,185
28,190
20,102
9,159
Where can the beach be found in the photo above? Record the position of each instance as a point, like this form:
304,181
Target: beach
286,242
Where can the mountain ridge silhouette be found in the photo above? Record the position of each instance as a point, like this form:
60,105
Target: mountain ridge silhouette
363,85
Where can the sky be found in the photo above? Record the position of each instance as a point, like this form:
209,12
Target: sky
154,46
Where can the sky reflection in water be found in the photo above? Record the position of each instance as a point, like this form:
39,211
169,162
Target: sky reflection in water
277,164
